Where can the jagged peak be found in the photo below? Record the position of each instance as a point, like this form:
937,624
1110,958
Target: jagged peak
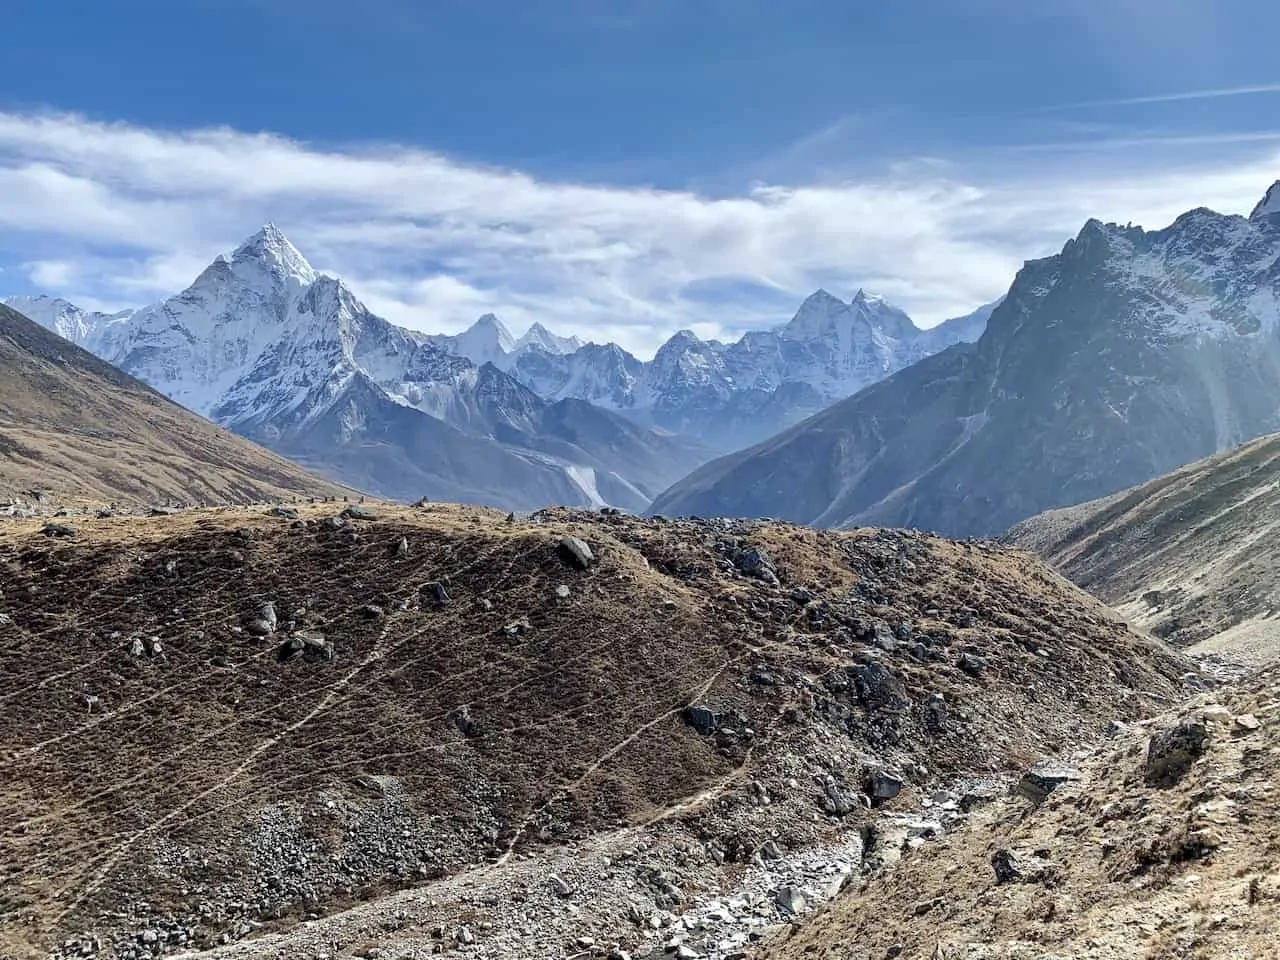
1269,205
685,335
821,314
490,327
822,296
538,336
270,247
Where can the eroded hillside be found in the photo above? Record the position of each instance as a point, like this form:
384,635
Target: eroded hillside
218,723
1164,847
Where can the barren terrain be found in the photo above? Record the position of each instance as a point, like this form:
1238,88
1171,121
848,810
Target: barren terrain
1112,866
1189,556
438,690
79,431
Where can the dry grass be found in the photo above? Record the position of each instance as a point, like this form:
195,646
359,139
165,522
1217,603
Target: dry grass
82,431
162,788
1188,556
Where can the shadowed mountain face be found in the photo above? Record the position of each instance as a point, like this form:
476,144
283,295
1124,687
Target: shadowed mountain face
79,428
267,347
1123,357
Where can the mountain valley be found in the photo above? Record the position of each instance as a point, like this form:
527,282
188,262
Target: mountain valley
1125,356
252,713
249,720
263,345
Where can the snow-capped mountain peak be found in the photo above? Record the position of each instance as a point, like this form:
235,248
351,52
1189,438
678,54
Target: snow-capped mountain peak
65,319
823,316
540,337
815,316
1269,205
269,248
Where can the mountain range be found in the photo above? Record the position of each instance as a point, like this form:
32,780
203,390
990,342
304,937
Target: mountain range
1126,355
727,395
264,345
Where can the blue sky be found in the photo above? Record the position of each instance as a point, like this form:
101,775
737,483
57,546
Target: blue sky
617,169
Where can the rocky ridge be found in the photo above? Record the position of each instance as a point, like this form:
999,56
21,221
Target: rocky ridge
328,703
1128,354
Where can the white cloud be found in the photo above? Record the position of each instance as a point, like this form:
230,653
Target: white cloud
117,214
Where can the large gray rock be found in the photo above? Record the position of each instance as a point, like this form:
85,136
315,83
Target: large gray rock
576,552
1171,753
754,562
1045,777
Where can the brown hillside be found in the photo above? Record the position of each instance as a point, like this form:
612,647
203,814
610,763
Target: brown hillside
168,769
1190,556
80,430
1112,867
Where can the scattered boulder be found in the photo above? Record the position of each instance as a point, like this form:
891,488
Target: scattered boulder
268,615
972,664
401,549
317,645
61,531
702,719
562,592
1011,866
576,553
1247,723
371,611
882,786
357,512
559,886
1171,753
284,513
518,628
754,562
258,627
878,689
438,592
790,900
836,802
465,723
1044,777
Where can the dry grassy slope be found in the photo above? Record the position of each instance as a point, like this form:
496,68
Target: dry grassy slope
217,776
80,429
1134,872
1190,556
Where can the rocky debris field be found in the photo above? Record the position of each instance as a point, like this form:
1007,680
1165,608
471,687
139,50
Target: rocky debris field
566,734
1159,844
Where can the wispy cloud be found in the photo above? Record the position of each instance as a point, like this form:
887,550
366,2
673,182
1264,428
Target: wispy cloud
117,215
1175,97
